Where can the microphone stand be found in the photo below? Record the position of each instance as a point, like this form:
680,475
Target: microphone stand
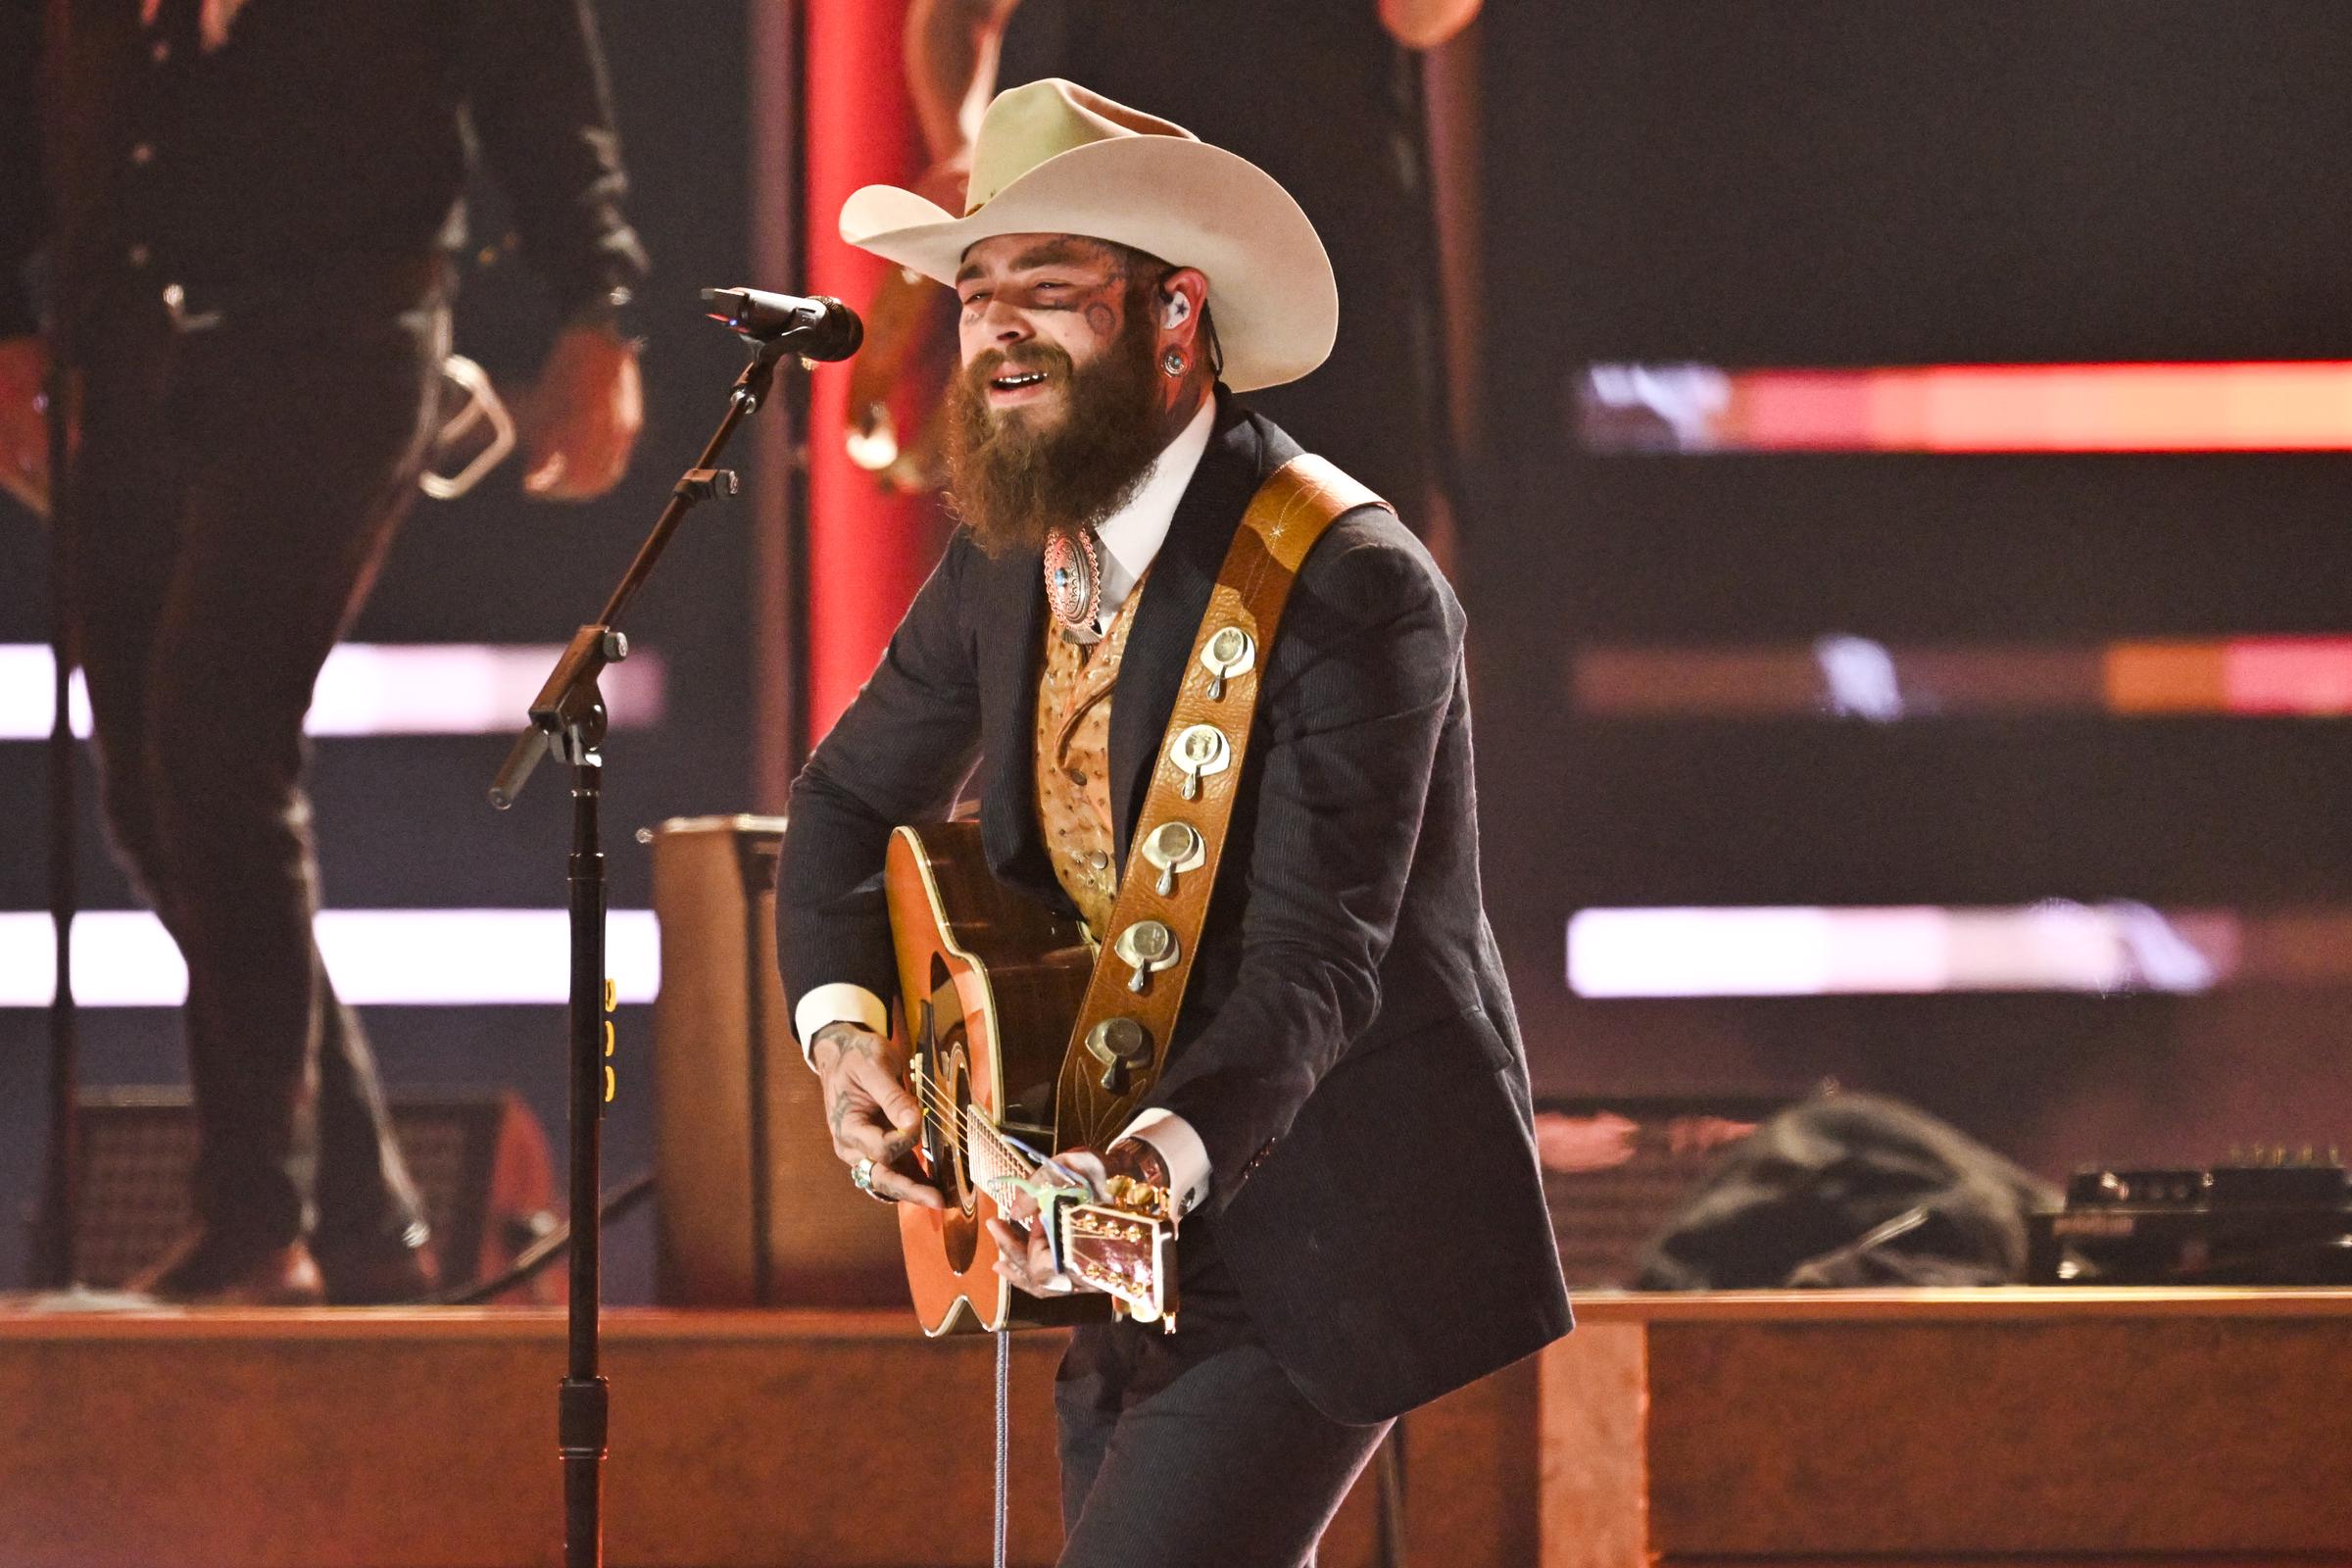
567,720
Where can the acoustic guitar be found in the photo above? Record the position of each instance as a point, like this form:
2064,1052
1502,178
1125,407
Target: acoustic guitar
990,983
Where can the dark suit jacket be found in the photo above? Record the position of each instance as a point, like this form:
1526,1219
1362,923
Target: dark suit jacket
250,187
1347,1051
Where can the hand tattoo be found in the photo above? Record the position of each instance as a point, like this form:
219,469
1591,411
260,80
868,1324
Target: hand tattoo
846,1040
845,1037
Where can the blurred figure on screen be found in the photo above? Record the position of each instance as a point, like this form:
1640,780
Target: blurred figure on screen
1322,94
245,211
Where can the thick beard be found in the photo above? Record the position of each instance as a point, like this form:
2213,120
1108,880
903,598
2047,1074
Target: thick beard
1011,485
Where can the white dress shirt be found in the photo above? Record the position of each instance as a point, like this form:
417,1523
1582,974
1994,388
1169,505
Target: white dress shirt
1131,538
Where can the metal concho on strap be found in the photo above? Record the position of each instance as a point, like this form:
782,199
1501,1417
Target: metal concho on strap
1120,1040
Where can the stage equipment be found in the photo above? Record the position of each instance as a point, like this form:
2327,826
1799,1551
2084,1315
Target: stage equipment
524,1274
480,1161
2270,1218
1844,1191
567,720
1617,1168
754,1211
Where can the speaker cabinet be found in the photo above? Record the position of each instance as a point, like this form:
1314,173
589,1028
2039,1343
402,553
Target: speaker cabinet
480,1163
1616,1168
755,1209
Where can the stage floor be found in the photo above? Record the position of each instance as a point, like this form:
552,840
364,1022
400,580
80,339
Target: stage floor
2098,1428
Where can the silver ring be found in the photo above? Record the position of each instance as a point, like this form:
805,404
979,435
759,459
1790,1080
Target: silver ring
861,1176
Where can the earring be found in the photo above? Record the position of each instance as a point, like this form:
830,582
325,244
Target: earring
1173,362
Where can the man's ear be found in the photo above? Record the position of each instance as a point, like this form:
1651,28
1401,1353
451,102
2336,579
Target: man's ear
1179,300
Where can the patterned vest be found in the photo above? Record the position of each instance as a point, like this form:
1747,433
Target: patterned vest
1074,761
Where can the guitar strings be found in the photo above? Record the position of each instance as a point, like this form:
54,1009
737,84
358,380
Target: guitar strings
995,1147
1008,1157
931,1100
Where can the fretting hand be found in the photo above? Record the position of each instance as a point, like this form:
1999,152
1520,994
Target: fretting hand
872,1115
1023,1257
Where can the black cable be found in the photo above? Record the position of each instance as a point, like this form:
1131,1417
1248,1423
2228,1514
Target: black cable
533,1259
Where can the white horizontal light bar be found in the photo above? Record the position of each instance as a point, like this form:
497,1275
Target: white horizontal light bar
2289,406
378,958
1913,950
378,689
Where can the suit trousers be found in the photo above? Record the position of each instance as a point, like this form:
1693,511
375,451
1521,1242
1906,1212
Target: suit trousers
231,498
1194,1449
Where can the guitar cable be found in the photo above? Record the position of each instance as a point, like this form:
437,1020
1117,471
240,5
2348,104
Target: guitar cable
933,1105
1004,1442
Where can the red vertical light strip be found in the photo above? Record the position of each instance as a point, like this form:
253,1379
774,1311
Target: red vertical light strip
866,548
771,32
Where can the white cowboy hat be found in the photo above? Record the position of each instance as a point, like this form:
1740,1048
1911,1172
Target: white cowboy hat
1052,157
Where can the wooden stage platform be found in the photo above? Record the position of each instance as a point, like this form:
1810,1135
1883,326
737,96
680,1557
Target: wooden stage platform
2095,1428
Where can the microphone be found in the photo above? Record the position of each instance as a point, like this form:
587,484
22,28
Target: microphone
820,328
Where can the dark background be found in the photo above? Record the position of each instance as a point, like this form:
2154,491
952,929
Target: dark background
1847,182
1868,184
404,821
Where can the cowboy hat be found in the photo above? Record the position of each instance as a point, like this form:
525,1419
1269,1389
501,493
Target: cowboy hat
1052,157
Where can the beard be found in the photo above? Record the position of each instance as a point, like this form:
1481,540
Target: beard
1011,482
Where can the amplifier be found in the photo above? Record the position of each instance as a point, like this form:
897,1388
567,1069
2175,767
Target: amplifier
1616,1168
480,1163
2274,1220
755,1209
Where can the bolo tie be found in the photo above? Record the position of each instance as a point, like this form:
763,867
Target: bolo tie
1073,565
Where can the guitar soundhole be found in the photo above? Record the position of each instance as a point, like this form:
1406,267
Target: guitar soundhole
947,1050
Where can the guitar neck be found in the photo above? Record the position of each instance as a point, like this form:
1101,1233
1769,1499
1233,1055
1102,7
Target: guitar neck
994,1162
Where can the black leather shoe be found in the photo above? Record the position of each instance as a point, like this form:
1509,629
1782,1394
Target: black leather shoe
206,1270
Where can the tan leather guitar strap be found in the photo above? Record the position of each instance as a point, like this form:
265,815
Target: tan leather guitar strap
1120,1040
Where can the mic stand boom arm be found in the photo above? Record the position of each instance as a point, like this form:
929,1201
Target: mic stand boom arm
571,689
567,718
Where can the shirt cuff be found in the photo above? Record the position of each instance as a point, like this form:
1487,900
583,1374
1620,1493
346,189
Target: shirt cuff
1175,1142
841,1002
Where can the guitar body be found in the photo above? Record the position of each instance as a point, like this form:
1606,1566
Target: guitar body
989,983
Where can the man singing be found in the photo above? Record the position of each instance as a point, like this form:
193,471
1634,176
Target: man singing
1343,1117
247,210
